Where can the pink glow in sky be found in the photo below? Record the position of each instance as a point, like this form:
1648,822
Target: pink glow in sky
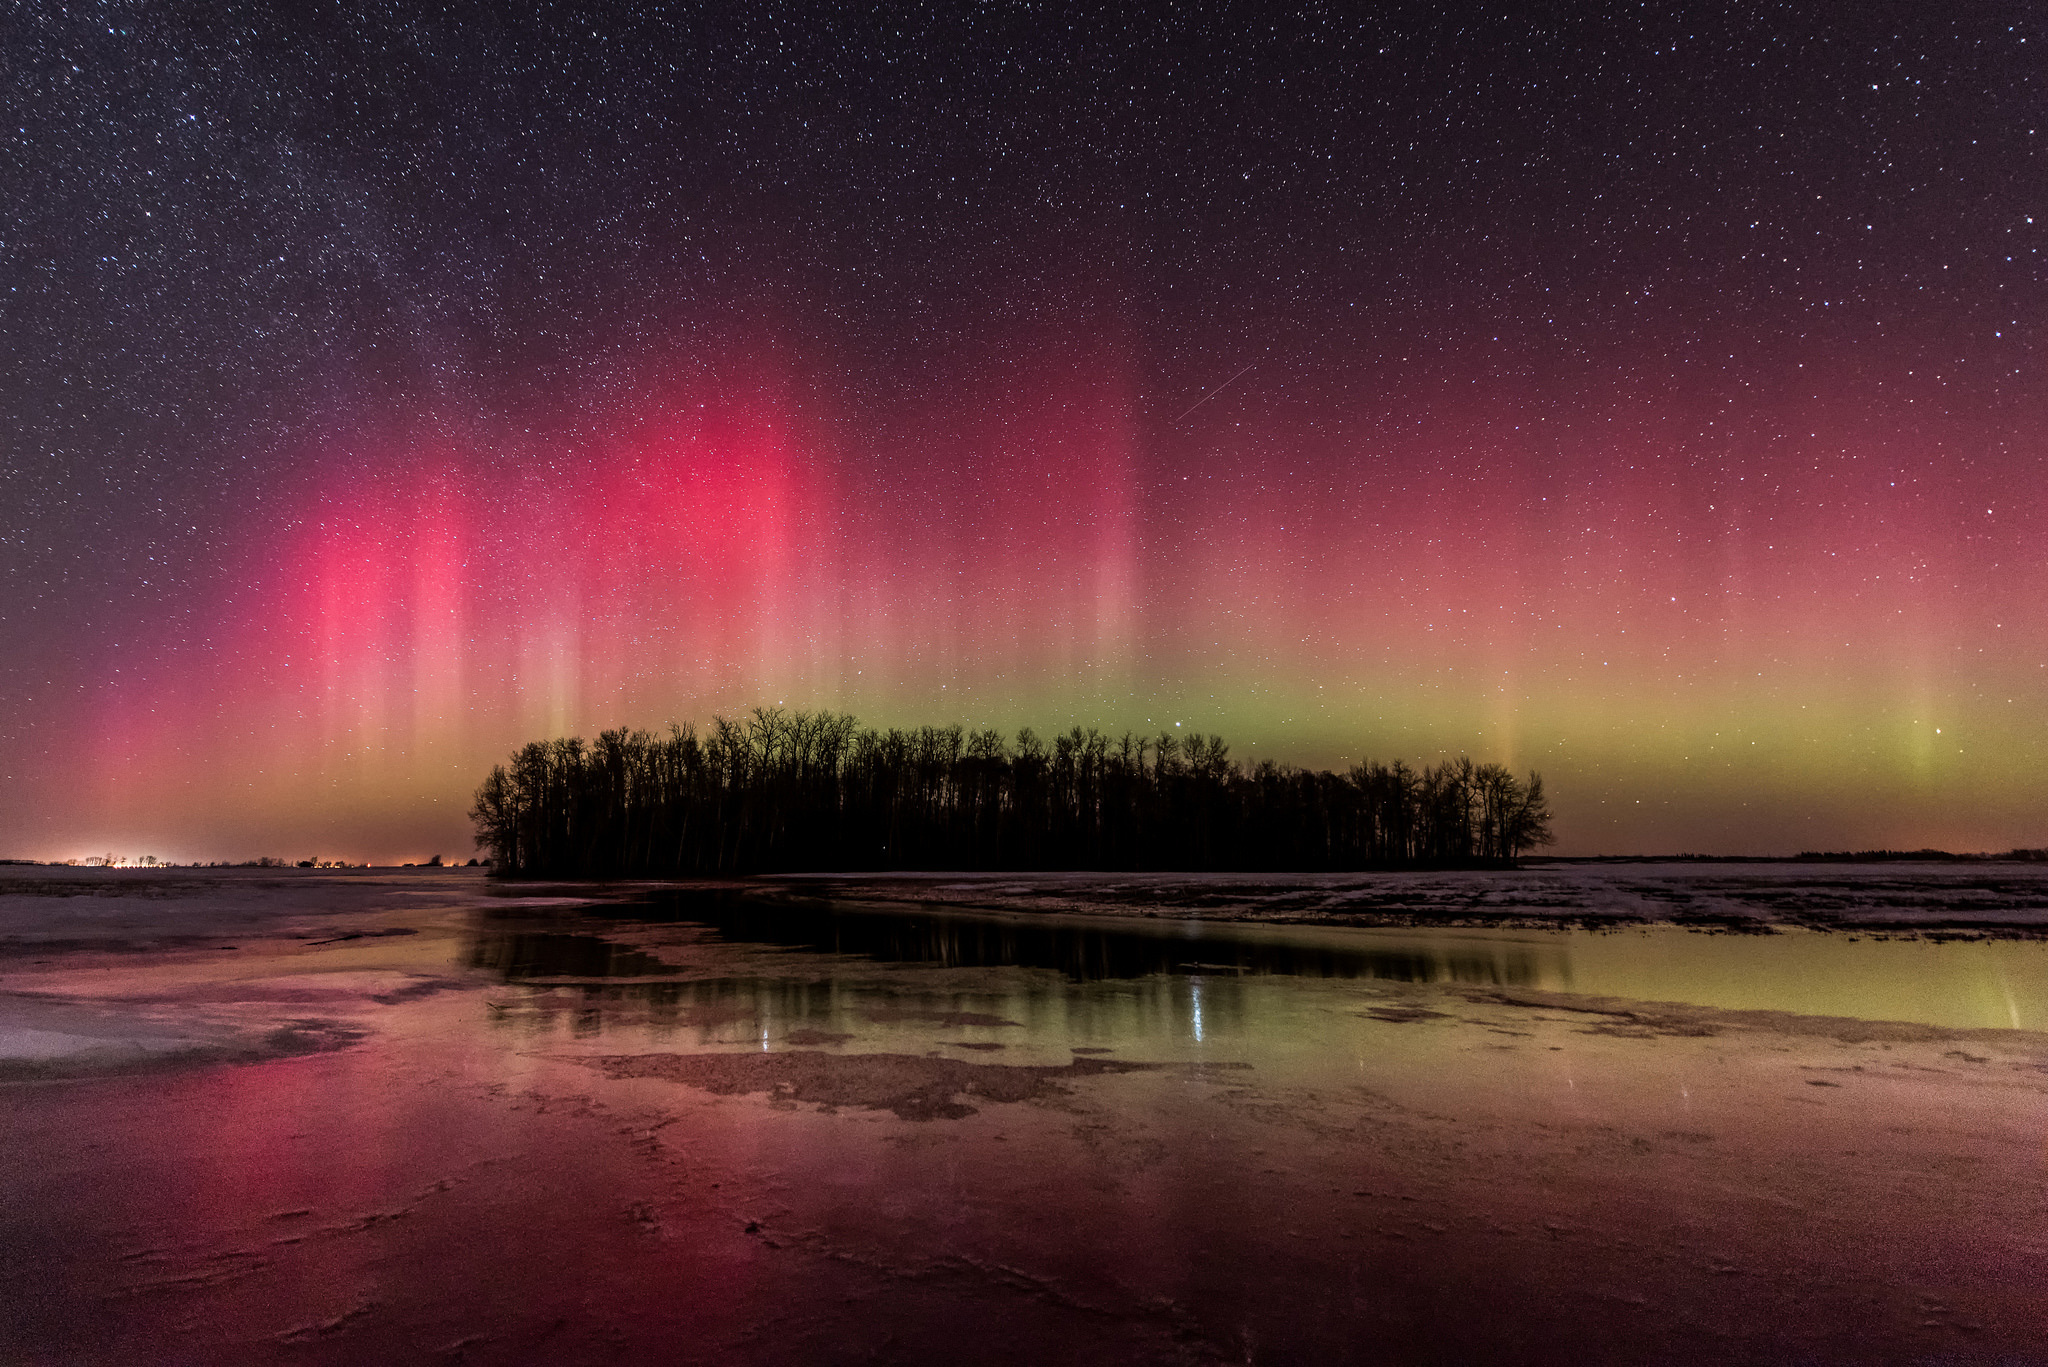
1772,612
1649,397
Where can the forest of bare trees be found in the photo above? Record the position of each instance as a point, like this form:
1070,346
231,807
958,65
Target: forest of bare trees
787,791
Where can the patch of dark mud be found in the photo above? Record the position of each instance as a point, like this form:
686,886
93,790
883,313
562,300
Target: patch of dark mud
302,1037
1968,931
1402,1015
1722,923
1623,1021
335,936
26,947
1639,1020
890,1015
308,989
1652,1027
425,987
912,1087
326,1329
808,1038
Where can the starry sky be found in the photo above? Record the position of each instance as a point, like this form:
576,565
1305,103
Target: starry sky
1649,396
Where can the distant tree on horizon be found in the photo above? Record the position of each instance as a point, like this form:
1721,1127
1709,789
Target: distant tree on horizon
790,791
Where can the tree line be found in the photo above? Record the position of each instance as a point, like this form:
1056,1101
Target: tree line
791,791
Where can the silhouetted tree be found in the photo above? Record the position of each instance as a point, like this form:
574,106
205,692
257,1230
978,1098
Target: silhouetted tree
812,790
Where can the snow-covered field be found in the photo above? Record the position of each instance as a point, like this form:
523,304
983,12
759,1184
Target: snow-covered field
1990,895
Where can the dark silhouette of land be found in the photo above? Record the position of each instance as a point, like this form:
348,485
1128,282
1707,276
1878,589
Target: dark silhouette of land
793,791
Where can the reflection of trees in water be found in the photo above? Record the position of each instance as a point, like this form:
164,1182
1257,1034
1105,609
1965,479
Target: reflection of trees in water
1094,953
1148,982
1104,984
541,954
718,1008
1080,953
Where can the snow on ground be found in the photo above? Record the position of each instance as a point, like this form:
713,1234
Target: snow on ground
115,970
60,907
1995,896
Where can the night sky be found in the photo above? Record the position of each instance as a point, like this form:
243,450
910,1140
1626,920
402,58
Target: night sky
1651,398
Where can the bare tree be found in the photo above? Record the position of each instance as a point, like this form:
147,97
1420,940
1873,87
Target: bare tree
789,790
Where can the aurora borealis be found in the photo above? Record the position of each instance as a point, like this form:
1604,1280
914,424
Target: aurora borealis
1652,398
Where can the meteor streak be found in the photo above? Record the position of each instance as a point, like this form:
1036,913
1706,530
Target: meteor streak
1214,392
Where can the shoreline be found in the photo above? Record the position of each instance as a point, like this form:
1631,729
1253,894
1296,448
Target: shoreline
62,909
1974,900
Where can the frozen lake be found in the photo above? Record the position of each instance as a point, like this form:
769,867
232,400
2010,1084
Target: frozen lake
412,1117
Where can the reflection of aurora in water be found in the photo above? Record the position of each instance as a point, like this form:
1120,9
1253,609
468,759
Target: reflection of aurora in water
1998,984
1135,985
696,1119
1159,1013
